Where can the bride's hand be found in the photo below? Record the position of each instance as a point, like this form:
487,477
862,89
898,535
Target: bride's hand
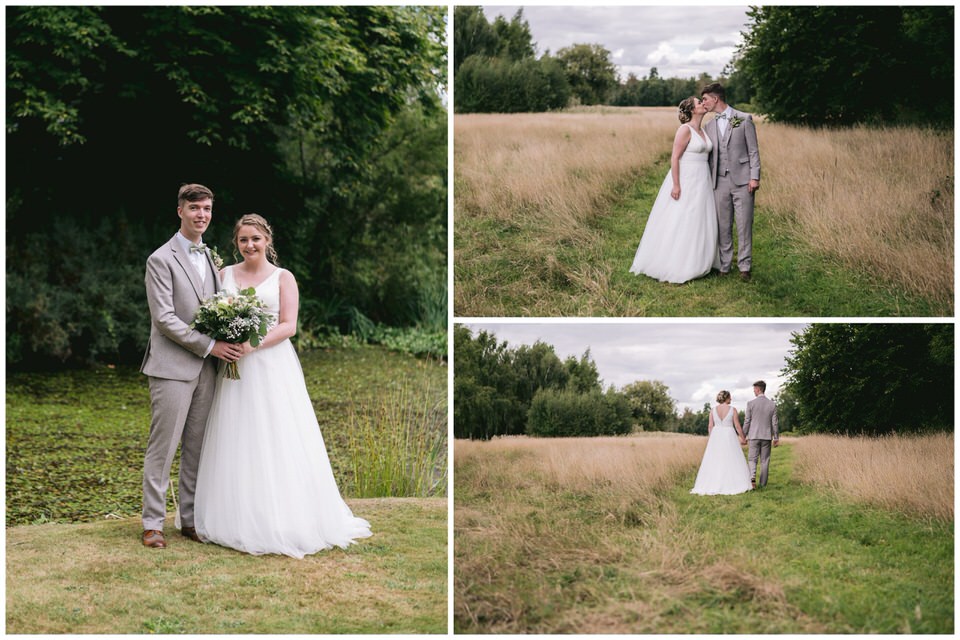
675,194
247,349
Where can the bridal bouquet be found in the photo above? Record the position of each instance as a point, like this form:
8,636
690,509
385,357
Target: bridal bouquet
235,318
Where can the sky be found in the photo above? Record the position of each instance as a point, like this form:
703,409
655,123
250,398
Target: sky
680,41
694,360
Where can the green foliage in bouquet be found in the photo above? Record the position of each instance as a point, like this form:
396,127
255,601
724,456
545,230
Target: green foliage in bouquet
235,318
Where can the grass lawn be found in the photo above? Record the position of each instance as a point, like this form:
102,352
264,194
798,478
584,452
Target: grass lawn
74,452
792,558
97,578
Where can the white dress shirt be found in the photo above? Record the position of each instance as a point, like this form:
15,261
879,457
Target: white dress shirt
723,122
199,260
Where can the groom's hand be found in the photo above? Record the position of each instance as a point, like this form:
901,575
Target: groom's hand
226,351
752,186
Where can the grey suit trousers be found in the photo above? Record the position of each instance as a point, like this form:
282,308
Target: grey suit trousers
179,409
734,203
758,449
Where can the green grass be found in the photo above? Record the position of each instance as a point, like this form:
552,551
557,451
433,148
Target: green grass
75,443
789,277
75,439
98,578
530,558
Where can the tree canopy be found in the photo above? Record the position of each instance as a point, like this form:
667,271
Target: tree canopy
326,120
871,379
847,64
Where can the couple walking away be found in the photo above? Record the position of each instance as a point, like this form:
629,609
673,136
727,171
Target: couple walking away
723,470
254,471
713,178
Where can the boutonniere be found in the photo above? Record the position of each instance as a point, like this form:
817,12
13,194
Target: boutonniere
736,121
217,260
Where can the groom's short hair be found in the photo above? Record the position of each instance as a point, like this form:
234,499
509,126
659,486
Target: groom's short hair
193,193
760,384
716,89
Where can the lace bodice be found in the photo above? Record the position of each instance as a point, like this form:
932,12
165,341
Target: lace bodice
698,148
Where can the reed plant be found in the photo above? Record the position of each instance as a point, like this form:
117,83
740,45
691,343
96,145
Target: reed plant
398,441
911,474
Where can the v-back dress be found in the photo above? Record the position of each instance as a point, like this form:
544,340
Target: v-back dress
265,484
679,242
723,470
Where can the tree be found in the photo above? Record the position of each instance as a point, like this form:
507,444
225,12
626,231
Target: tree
873,378
842,65
472,36
583,374
694,422
288,111
590,72
650,404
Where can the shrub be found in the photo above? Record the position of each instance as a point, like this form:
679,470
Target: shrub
567,413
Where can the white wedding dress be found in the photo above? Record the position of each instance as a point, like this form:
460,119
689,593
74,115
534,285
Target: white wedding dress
265,484
723,470
679,242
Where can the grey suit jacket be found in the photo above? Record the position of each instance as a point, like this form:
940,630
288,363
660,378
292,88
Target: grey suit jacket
743,152
174,291
760,421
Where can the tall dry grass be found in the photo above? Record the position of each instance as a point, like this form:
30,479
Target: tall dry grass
880,200
552,534
912,474
554,170
529,185
619,466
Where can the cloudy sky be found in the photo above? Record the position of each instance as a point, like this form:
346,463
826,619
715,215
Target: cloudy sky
694,360
680,41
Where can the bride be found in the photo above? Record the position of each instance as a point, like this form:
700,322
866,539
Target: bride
679,242
265,484
723,470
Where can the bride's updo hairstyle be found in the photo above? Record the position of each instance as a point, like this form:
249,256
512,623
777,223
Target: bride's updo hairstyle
685,110
254,220
723,397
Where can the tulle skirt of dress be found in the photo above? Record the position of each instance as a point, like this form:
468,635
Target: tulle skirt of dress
723,470
679,242
265,484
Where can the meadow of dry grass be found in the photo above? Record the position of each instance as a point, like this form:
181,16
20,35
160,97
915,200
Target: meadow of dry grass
536,217
881,200
601,535
904,473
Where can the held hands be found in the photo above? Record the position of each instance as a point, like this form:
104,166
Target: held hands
226,351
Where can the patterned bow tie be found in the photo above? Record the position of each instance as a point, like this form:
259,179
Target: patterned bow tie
198,248
722,116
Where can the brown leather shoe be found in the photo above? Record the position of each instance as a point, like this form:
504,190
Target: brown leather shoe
154,539
745,276
190,532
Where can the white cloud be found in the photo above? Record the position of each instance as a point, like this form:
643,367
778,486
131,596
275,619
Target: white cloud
694,360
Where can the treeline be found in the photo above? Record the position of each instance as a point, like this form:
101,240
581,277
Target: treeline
500,390
496,70
326,120
830,65
870,379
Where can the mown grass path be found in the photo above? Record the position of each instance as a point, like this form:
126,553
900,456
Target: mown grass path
845,567
791,558
789,278
97,578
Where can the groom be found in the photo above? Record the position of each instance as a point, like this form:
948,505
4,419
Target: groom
735,167
180,275
760,428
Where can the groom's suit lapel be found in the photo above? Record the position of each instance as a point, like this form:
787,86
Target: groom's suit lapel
187,267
